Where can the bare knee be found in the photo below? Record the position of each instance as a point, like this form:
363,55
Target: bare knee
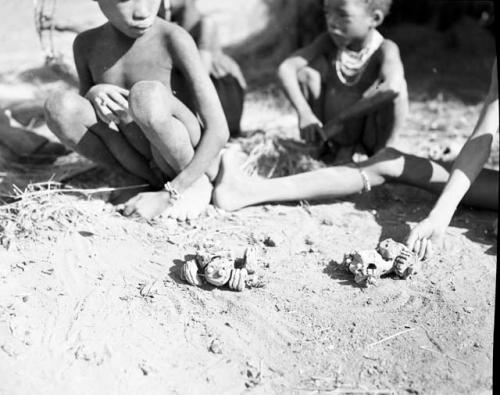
62,106
387,163
149,103
63,111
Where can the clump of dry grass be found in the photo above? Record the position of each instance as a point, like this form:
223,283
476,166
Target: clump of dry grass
48,209
278,157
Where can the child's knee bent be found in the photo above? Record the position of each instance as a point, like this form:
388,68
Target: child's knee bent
63,110
62,106
388,163
149,103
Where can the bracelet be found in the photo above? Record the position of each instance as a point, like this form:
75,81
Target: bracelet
366,182
174,193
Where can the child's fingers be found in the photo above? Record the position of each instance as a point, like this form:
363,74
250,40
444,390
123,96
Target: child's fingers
234,70
107,114
217,70
237,73
102,115
119,100
114,107
122,91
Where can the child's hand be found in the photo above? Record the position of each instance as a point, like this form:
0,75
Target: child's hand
189,273
424,233
110,103
311,129
148,204
238,279
219,65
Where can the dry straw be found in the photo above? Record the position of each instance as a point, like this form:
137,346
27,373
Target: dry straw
46,208
278,157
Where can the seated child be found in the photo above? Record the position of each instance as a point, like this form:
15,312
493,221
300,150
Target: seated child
126,117
224,72
348,85
467,183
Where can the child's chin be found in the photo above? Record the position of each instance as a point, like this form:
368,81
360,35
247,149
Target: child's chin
135,33
340,42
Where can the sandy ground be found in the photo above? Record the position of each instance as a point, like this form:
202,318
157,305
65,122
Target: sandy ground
92,302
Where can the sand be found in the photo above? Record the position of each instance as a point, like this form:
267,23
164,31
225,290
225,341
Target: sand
96,306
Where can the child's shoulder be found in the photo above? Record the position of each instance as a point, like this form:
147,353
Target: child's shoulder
88,37
389,49
172,31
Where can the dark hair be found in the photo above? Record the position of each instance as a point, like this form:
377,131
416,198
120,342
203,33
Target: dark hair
382,5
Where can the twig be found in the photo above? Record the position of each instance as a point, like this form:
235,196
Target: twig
347,390
445,355
391,337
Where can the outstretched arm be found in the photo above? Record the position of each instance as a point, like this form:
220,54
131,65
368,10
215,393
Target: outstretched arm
466,168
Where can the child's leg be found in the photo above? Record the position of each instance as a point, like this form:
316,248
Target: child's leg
73,120
383,125
231,96
152,108
173,132
235,190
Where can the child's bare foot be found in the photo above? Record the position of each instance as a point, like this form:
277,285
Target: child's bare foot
359,155
120,196
232,186
193,201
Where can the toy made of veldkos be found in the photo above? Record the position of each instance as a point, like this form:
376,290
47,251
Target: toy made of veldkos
367,266
389,257
221,270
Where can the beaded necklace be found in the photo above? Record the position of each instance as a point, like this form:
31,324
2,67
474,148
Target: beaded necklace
350,65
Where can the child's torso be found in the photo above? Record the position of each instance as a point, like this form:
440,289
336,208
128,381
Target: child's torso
338,96
123,62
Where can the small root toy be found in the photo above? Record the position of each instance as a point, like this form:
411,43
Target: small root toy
367,266
220,270
389,257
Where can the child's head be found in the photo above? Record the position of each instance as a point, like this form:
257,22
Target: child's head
350,21
132,17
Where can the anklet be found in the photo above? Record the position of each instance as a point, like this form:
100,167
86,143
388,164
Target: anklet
174,193
366,182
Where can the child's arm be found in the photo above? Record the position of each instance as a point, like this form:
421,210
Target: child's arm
216,133
84,76
390,84
287,74
466,168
